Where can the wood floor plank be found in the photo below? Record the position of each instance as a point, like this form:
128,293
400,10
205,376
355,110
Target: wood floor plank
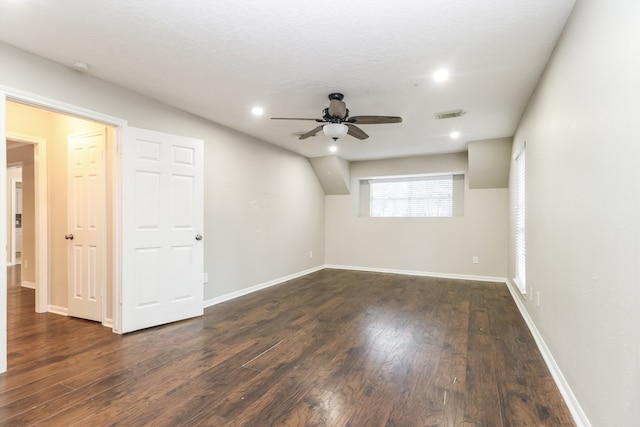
65,402
316,408
333,348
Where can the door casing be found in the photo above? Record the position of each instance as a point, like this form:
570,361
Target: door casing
7,93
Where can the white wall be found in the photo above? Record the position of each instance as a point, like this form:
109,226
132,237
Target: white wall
264,209
424,245
264,213
582,133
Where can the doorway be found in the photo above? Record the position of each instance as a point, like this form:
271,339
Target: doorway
14,212
137,160
29,153
16,218
49,134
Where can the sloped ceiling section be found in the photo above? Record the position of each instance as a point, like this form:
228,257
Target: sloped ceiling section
489,163
333,174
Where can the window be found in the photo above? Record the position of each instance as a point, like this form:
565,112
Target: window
426,196
520,266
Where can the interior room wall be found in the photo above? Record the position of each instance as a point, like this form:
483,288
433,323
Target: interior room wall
264,208
583,208
423,245
28,269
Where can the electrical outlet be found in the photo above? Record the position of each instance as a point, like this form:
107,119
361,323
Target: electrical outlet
538,298
205,277
475,259
26,263
310,254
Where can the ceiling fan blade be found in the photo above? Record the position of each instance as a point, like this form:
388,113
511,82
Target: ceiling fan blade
337,108
312,132
356,132
374,120
295,118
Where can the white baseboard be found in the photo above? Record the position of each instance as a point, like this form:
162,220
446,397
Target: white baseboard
29,285
246,291
419,273
55,309
578,414
107,323
64,311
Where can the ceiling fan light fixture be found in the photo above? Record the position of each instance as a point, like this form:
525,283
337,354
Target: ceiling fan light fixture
335,130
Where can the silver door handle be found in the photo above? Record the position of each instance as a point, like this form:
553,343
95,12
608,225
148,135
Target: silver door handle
198,237
68,236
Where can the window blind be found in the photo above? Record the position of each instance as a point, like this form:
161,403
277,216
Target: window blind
520,254
412,197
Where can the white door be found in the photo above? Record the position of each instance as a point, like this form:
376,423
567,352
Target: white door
162,226
86,234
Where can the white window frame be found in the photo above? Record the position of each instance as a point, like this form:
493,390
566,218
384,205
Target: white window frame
520,223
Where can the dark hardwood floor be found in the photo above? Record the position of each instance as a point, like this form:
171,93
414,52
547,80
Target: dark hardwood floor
334,348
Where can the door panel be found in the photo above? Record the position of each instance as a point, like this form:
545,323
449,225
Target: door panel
86,223
162,213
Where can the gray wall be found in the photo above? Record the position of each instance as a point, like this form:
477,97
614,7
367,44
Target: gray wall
434,245
582,133
264,208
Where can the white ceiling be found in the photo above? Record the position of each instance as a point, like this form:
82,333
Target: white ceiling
218,59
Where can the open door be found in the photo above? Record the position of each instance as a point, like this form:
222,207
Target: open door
86,222
162,226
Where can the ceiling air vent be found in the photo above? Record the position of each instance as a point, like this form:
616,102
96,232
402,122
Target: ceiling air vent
449,114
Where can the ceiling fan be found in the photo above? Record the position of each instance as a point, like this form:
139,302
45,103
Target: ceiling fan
338,123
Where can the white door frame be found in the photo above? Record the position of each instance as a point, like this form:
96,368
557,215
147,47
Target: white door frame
40,208
11,94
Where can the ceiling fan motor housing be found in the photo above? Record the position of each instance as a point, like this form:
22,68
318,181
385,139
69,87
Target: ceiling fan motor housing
334,119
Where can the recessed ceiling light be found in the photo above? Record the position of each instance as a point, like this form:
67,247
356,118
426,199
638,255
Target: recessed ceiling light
333,148
455,134
257,111
441,75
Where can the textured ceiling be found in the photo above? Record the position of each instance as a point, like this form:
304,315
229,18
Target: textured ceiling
218,59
